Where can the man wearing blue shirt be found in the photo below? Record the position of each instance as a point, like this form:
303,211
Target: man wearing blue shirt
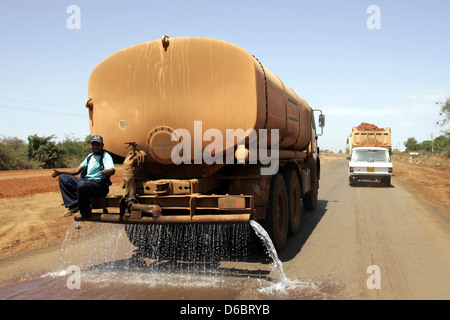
94,181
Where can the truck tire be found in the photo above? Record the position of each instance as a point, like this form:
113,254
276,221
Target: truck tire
294,191
310,198
277,215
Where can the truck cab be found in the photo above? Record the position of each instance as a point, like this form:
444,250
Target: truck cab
370,163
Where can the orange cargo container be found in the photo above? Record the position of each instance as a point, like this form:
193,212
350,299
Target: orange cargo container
367,135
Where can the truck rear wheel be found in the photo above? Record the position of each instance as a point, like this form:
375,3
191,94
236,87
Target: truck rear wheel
294,192
277,215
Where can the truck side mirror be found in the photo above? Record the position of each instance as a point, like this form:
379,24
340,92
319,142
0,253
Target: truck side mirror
321,120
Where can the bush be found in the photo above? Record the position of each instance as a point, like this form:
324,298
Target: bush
13,155
45,151
75,150
42,152
439,145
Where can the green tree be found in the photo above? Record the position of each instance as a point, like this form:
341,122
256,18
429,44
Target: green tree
13,154
411,145
42,152
75,150
441,144
444,113
45,151
426,146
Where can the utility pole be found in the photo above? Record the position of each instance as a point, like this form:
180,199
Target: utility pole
432,149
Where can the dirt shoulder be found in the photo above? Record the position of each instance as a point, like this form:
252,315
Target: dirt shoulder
31,209
431,183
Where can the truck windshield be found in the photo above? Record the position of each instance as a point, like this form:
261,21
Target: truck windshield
371,155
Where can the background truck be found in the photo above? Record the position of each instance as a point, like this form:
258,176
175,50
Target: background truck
369,135
207,135
370,163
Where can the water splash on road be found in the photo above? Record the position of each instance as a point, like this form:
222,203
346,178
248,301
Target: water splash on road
282,285
67,237
109,261
270,250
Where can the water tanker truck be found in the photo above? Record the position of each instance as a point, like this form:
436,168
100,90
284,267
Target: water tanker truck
207,134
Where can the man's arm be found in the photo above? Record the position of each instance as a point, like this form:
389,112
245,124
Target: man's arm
108,172
72,172
108,169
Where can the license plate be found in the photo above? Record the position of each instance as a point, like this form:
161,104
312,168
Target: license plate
370,169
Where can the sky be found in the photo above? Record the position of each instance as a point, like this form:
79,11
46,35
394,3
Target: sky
389,66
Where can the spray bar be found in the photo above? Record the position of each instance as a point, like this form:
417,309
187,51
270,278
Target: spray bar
175,219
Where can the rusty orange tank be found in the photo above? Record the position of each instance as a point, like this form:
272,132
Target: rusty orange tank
145,92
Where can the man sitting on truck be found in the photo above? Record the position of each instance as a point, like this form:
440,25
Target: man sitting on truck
94,180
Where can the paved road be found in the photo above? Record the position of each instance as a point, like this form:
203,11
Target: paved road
369,225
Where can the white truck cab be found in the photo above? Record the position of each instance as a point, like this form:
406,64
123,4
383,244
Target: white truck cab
370,163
